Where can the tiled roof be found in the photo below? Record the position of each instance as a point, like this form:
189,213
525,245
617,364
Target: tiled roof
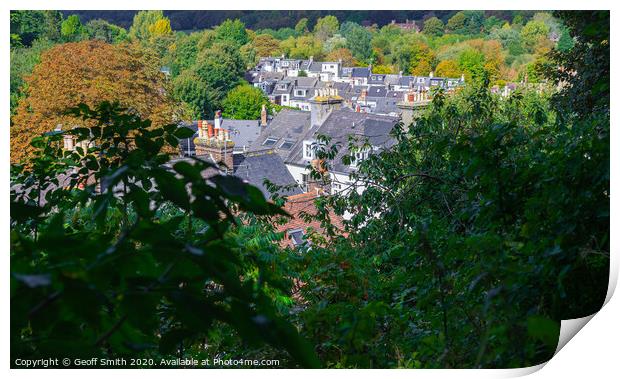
304,203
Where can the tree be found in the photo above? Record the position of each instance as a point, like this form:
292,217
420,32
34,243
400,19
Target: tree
87,72
532,33
326,27
422,68
244,102
448,69
27,26
72,29
23,61
358,41
232,32
221,68
266,45
422,59
382,69
301,27
142,22
566,42
342,54
471,62
302,47
456,23
433,27
104,31
160,28
189,88
182,53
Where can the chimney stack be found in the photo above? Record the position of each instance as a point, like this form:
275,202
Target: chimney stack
218,119
263,116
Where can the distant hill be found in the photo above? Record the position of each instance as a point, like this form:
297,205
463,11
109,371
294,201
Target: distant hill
190,19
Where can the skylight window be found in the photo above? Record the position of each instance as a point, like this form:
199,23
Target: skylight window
270,142
286,145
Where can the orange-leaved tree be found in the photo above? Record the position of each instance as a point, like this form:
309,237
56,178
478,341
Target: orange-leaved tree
89,72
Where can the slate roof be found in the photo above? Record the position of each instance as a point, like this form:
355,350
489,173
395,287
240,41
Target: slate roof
315,67
376,79
342,123
360,72
254,168
376,91
289,125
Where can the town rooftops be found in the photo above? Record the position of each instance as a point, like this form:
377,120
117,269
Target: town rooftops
242,132
341,124
284,132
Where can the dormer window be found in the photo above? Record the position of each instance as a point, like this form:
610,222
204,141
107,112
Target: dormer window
300,92
420,80
296,236
309,150
359,156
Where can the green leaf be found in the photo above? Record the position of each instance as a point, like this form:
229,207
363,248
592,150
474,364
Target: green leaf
184,132
544,329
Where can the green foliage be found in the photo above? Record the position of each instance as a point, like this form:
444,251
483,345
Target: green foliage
100,267
27,26
142,22
486,224
326,27
532,33
221,68
72,29
472,63
23,61
103,30
244,102
433,27
358,41
191,90
232,32
301,27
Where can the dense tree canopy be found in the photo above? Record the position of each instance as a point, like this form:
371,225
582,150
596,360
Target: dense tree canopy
244,102
87,72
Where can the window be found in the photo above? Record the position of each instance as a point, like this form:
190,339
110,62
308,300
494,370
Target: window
296,236
420,80
300,92
309,149
270,141
286,145
359,156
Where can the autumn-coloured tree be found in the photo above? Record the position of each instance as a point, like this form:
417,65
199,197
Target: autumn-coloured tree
88,72
160,27
382,69
344,54
266,46
448,69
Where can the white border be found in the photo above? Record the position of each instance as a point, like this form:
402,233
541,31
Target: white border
594,351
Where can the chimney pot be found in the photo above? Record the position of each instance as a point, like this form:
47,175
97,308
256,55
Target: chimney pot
263,116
